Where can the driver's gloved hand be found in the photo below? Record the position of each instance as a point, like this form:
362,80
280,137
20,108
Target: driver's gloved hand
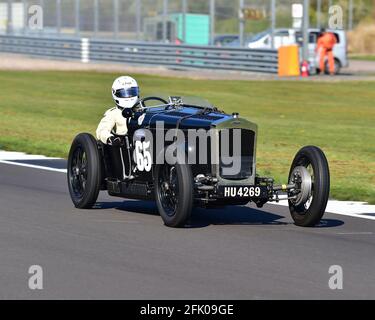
127,113
114,141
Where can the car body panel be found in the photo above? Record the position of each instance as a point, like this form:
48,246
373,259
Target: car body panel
186,117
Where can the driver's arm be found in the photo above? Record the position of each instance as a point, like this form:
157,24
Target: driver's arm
103,132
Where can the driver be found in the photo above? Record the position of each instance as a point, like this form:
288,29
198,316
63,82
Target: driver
125,93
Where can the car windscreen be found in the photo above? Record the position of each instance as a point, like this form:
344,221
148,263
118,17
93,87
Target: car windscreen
196,101
258,36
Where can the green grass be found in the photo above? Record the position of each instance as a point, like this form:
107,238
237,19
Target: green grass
362,57
41,112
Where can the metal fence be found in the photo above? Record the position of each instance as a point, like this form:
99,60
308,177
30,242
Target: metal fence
144,53
118,30
126,19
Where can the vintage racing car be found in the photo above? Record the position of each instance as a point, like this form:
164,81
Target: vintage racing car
139,170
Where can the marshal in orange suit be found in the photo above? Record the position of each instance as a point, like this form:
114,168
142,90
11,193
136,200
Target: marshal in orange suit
325,45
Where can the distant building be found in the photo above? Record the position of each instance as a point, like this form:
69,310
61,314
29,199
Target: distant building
197,28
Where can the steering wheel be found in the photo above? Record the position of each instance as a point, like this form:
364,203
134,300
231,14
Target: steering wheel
142,101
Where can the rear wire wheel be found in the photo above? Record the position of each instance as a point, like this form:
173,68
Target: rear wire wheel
84,171
310,172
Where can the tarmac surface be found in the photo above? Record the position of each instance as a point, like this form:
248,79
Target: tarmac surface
122,250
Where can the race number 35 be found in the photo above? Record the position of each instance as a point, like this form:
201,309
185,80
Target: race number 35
143,155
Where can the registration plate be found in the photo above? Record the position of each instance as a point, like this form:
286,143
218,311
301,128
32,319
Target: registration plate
244,192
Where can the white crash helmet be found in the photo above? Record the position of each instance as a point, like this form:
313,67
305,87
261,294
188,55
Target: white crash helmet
125,92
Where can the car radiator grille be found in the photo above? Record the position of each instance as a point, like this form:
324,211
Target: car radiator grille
244,159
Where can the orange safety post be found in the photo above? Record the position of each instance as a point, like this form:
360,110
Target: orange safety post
289,61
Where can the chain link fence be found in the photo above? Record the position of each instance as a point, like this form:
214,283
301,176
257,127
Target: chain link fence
190,21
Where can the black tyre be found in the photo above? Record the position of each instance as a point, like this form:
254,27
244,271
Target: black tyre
310,173
174,193
84,171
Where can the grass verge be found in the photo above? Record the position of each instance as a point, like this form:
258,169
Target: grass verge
363,57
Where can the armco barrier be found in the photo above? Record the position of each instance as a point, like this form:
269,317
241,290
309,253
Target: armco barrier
144,53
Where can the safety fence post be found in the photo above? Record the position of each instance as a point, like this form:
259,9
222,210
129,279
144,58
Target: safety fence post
85,50
58,16
9,26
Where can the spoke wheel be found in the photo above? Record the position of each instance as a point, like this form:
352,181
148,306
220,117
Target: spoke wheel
168,184
310,174
84,171
303,178
174,193
78,174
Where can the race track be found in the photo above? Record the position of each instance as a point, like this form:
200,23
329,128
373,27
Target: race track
121,250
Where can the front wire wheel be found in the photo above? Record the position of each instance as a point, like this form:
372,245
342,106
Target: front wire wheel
310,173
174,193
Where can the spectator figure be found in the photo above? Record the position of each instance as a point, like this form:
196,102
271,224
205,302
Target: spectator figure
325,45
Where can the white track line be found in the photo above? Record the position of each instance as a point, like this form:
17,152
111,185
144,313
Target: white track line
33,166
354,215
344,208
11,155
